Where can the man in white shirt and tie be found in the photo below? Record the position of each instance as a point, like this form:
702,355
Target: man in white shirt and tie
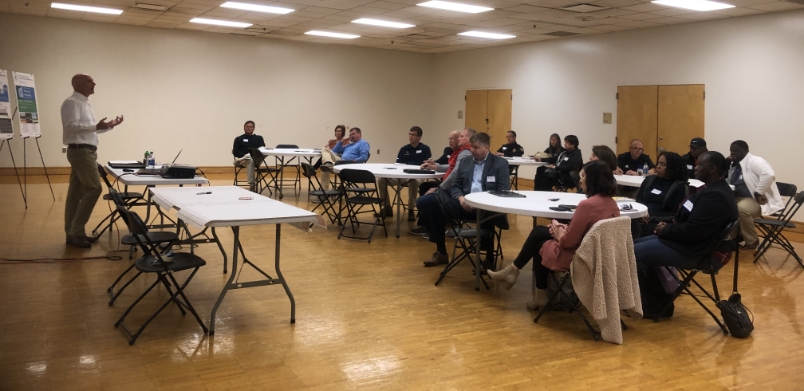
81,137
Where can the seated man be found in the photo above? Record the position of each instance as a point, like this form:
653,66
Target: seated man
698,221
757,194
482,172
356,151
633,161
242,157
511,148
414,153
697,147
563,164
431,164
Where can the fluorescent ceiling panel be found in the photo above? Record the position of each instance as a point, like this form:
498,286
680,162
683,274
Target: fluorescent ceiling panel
480,34
217,22
331,34
86,8
449,6
695,5
256,7
383,23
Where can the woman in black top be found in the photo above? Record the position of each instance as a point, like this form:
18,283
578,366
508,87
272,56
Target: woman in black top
662,193
561,167
555,148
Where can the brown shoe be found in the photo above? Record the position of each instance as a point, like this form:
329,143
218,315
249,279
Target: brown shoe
79,241
436,260
751,246
91,239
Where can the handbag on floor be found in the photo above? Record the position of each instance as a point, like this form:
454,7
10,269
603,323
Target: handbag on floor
735,314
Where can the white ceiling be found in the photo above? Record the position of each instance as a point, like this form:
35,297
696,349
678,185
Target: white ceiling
435,32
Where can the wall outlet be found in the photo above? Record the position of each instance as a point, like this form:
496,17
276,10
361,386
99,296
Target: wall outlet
378,151
63,149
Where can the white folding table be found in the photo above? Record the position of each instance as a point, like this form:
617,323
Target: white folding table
535,204
391,171
290,153
636,181
517,161
230,206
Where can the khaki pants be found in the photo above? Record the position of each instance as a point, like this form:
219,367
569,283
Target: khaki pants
413,190
327,156
83,192
248,164
749,210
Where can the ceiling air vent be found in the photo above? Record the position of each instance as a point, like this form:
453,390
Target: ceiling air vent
561,34
152,7
584,8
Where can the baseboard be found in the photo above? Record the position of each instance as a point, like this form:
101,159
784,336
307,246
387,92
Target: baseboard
36,171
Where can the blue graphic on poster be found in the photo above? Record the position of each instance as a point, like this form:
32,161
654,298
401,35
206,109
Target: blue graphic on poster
26,104
6,127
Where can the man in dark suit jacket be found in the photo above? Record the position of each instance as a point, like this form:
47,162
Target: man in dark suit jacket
483,171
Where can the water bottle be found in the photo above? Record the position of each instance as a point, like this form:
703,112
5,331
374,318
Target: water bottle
645,169
151,160
145,159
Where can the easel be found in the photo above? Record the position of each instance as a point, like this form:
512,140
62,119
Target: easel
25,165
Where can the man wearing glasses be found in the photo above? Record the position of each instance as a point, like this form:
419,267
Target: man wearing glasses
634,160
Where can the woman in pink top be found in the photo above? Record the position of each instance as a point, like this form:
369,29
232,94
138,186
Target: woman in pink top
553,247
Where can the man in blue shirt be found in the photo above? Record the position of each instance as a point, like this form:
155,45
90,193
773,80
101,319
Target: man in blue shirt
414,154
357,151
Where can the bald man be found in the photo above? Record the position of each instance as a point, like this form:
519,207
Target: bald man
81,137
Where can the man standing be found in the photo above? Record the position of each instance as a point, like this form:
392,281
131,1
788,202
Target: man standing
697,147
510,149
634,160
755,189
81,137
414,153
482,171
240,150
356,151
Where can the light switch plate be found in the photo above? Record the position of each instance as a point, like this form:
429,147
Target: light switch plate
63,149
460,114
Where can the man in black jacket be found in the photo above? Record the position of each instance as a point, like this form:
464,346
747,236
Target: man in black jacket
242,144
634,160
511,148
560,167
697,224
697,147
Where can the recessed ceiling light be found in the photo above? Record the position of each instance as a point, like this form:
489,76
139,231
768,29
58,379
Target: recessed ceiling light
217,22
480,34
382,23
86,8
695,5
332,35
256,7
446,5
152,7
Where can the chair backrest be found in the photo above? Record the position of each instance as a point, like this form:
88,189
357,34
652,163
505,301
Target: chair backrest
352,177
256,156
788,190
287,146
139,230
104,175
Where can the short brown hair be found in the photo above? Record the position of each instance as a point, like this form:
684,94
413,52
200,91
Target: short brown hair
599,179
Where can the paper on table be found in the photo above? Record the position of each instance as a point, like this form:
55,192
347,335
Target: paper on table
114,162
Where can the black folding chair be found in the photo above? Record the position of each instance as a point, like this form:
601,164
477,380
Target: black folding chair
282,164
164,240
465,240
327,199
237,181
569,181
264,177
358,193
708,264
165,269
513,172
129,199
772,230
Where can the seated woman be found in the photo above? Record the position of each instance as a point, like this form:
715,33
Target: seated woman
337,143
553,150
552,248
604,153
559,172
661,193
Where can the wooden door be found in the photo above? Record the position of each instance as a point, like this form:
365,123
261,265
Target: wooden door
499,115
476,110
680,116
636,118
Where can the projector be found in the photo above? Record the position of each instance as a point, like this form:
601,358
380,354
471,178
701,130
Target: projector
178,171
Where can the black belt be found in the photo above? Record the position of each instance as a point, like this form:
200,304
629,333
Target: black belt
87,146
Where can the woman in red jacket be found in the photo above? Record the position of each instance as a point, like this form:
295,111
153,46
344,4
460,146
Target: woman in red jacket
553,247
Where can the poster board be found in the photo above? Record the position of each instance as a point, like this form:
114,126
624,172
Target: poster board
6,128
26,104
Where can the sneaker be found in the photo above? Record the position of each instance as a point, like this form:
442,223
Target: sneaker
436,260
421,231
751,246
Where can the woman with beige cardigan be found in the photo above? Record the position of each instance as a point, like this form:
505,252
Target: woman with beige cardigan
553,247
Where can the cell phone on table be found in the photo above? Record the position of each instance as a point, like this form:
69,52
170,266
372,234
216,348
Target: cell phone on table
570,207
128,170
560,209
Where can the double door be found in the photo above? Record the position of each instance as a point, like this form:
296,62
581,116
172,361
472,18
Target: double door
489,111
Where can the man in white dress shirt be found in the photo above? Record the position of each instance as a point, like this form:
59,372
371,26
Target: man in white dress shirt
81,137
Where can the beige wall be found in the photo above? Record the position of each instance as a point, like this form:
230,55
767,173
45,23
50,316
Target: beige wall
752,68
191,90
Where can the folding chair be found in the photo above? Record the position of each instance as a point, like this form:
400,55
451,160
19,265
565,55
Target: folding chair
237,181
772,230
357,195
282,164
560,278
328,199
129,199
513,172
264,177
165,270
465,240
165,241
570,181
708,264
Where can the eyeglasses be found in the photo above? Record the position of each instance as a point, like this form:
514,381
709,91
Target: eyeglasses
637,149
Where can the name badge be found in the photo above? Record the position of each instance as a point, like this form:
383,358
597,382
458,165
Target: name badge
688,205
566,158
245,140
490,179
419,151
504,148
690,167
656,191
741,177
448,156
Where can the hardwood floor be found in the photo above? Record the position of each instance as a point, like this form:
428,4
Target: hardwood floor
368,317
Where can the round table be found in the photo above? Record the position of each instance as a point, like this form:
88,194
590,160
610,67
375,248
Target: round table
524,161
390,171
636,181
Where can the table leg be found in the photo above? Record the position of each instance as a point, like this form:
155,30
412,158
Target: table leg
282,278
478,266
236,231
398,206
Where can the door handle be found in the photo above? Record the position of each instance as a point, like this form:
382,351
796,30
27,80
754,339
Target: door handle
661,138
